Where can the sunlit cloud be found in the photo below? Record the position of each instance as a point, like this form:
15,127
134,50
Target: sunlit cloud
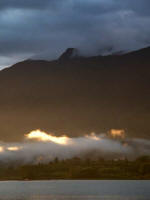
42,136
13,148
1,149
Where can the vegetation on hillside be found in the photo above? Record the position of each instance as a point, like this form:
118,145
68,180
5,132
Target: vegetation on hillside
76,168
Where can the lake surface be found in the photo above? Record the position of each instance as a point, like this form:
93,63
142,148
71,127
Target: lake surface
75,190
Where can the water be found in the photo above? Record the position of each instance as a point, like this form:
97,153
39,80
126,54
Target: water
75,190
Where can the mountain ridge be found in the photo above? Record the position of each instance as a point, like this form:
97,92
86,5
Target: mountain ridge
77,96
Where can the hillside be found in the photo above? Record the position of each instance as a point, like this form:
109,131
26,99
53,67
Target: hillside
76,96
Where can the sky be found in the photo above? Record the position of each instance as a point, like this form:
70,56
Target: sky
43,29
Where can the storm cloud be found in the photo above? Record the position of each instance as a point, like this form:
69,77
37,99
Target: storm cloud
43,29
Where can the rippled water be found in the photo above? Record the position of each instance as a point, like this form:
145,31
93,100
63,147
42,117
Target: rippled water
75,190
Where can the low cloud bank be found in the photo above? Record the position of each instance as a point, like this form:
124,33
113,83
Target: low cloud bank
40,147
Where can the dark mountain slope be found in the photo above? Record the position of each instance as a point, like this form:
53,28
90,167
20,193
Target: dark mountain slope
77,96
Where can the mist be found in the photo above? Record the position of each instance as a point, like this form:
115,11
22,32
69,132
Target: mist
40,147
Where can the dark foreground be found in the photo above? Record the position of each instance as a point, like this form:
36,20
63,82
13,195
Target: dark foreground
76,168
75,190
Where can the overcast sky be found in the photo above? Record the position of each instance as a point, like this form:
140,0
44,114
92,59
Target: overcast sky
45,28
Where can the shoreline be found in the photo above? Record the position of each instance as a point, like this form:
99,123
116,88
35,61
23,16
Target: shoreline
34,180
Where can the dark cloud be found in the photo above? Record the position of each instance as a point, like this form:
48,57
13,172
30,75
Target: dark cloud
142,7
45,28
29,4
98,7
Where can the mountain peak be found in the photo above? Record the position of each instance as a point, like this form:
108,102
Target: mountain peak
69,54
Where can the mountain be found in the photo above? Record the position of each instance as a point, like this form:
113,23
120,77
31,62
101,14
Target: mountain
75,95
70,53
